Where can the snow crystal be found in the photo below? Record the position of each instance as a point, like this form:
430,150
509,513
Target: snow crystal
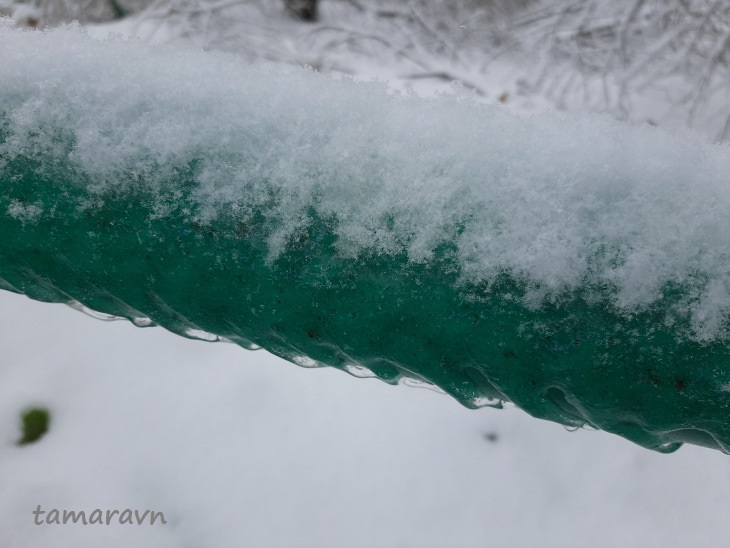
24,212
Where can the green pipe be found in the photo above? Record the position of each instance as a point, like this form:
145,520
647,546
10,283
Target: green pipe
251,232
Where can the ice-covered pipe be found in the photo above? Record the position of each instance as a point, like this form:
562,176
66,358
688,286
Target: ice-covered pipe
575,266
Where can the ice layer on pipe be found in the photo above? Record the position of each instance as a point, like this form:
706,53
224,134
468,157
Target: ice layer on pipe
575,266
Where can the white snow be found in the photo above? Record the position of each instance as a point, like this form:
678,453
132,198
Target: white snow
559,200
239,449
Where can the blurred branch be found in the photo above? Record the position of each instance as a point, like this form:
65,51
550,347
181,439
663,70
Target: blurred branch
588,54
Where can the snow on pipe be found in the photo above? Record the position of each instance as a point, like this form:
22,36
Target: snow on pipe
572,265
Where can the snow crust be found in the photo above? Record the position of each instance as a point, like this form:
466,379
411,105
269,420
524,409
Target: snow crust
562,202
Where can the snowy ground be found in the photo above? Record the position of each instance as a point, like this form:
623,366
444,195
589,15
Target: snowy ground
240,448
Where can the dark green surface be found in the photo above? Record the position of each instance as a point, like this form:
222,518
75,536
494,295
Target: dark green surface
578,362
34,423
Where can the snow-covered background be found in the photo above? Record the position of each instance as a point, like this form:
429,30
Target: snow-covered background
239,448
